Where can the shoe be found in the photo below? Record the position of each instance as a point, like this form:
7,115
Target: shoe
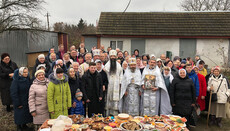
218,122
212,120
24,126
19,128
8,109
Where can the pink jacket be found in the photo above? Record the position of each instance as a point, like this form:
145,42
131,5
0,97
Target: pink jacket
38,100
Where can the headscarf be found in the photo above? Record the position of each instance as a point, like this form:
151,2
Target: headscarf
183,70
21,69
169,74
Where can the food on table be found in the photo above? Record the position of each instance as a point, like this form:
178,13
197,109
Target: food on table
149,126
75,126
140,118
181,120
88,121
180,124
97,126
51,121
137,121
109,119
116,129
113,124
159,125
174,117
123,116
77,119
165,117
168,121
148,120
108,128
131,125
45,125
84,126
97,117
158,118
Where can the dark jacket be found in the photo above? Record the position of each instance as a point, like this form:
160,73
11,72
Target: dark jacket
5,81
182,94
174,71
48,68
87,85
63,67
192,75
105,81
79,109
19,95
74,84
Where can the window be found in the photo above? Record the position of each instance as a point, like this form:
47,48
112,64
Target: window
116,44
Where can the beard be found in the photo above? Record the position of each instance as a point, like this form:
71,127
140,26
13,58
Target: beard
113,66
133,69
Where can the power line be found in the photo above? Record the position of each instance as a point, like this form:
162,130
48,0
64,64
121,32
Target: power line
127,6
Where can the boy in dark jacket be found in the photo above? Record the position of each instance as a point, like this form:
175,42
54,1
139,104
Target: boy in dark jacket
79,109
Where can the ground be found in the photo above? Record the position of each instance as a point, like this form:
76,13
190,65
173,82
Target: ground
7,122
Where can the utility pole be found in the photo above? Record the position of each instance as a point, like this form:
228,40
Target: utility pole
47,15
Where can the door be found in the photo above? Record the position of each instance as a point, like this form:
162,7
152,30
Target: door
187,48
138,44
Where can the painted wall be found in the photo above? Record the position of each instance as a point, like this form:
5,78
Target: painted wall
160,46
126,43
213,51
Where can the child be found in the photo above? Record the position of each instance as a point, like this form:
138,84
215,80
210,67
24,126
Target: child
79,109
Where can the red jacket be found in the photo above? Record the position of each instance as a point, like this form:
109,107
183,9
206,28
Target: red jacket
202,91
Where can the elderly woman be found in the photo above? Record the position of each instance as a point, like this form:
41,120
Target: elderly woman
19,94
7,68
38,99
168,77
218,84
41,60
124,66
67,61
58,94
183,95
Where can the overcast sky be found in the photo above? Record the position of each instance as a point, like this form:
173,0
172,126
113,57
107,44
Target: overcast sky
70,11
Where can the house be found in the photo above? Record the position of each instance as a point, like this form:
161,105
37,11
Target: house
185,34
24,45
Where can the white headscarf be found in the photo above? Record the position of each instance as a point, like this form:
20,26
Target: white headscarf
183,70
169,75
21,69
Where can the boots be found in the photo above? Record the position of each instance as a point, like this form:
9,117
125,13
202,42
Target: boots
8,109
19,128
218,122
212,120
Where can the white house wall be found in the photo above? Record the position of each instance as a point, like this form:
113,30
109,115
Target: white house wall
160,46
213,51
126,43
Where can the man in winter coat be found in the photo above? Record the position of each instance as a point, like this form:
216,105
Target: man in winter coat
58,94
92,89
7,68
192,75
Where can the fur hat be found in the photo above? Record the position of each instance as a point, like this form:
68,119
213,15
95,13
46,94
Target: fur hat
112,52
4,55
39,71
78,93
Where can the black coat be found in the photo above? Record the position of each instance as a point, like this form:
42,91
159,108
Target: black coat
48,68
87,85
19,91
182,94
5,81
105,81
174,71
74,84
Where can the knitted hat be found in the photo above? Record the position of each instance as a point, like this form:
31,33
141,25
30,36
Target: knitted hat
217,68
78,93
39,71
41,65
183,62
41,56
4,55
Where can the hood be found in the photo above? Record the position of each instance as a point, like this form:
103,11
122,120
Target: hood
55,80
17,77
38,82
191,73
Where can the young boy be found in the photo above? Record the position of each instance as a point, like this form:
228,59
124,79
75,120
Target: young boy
79,109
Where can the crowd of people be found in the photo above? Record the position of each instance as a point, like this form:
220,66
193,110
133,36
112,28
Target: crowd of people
110,82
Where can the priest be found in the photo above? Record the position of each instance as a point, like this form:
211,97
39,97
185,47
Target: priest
130,90
114,72
155,99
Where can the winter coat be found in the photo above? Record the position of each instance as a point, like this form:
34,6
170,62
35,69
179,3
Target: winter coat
63,67
202,91
79,109
48,68
223,93
87,85
38,100
174,71
19,91
74,84
58,96
192,75
74,59
5,81
182,94
203,72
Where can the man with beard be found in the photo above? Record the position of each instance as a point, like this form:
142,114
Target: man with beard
130,90
92,89
85,66
114,73
154,99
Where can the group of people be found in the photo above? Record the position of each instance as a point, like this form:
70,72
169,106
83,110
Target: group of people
109,82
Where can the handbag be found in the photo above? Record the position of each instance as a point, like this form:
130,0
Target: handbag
193,117
214,95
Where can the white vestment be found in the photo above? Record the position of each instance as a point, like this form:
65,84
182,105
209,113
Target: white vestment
83,68
113,93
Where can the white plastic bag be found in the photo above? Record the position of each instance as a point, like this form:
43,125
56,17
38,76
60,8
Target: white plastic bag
62,123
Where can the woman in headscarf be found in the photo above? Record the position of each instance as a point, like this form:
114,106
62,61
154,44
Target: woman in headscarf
58,94
19,94
183,95
218,84
168,77
7,68
38,99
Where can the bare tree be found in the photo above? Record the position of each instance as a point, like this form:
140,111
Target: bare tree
205,5
19,14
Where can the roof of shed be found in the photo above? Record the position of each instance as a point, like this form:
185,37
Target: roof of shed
164,23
